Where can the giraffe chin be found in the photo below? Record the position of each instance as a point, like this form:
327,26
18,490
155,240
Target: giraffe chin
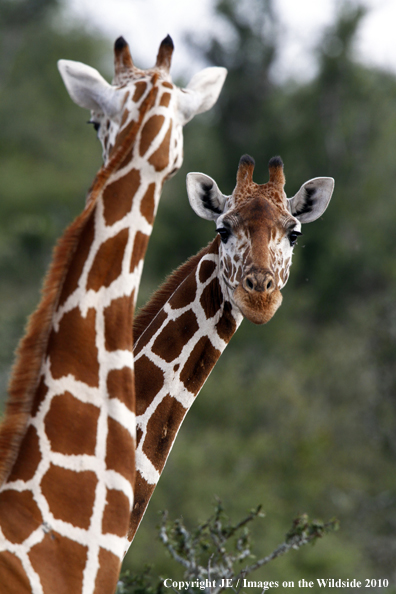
258,308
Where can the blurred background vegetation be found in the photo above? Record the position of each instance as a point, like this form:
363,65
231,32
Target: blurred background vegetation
298,415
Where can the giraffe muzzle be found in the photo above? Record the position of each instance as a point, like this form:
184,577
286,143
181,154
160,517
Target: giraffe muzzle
259,281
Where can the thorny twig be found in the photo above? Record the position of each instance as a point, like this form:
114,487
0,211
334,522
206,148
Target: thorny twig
188,548
209,554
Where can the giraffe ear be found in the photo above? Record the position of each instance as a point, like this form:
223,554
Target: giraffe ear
312,199
88,88
205,197
201,93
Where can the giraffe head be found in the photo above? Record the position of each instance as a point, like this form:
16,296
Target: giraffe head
116,107
258,227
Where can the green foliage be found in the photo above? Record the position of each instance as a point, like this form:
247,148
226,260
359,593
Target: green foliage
142,583
304,530
212,554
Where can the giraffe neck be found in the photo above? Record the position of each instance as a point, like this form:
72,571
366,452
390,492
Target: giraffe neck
69,435
179,336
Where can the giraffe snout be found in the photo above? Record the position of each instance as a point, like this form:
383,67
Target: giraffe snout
260,281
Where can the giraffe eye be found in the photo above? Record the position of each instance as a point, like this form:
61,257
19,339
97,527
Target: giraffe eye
224,234
293,236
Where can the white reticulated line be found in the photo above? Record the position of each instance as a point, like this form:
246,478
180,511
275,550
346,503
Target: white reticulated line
78,462
146,468
68,383
118,360
115,480
120,413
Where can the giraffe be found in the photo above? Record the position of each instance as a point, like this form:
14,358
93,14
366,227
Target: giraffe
181,332
68,439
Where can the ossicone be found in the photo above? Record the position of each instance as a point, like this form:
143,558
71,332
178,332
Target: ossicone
164,57
275,167
245,169
122,57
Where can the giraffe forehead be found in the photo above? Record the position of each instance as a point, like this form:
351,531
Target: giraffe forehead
270,193
256,213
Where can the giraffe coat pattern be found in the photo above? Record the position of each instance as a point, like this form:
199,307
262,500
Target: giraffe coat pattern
67,445
180,334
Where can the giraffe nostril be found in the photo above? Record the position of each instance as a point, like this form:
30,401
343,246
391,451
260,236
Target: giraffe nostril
259,282
249,284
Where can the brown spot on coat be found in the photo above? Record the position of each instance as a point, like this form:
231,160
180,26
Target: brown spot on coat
211,298
160,158
71,425
185,294
163,424
126,137
124,116
116,513
143,492
226,326
69,558
139,249
13,574
118,324
39,397
120,385
140,88
149,380
70,494
165,100
79,258
118,196
19,514
107,264
28,458
120,448
152,328
169,343
150,131
147,205
202,359
73,348
169,291
206,270
109,569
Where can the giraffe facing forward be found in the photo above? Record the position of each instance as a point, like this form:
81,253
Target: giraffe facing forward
67,443
182,331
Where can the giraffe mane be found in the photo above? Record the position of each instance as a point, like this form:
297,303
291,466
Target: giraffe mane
31,349
158,299
26,370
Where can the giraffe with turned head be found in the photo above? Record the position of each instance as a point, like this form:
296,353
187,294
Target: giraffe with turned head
68,440
182,331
